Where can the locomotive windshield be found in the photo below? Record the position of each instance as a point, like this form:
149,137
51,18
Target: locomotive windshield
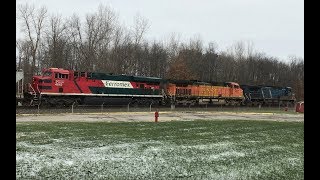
47,73
288,91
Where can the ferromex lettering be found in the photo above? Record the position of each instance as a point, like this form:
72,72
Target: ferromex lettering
117,84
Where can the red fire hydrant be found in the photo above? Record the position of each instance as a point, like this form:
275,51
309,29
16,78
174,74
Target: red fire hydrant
156,115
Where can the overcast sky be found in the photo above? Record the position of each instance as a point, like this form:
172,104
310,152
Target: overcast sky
275,27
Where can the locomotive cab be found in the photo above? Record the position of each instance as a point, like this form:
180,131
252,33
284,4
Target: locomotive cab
51,80
235,90
289,94
288,91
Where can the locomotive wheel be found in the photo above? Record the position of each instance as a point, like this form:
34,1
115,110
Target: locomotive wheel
60,104
75,103
44,104
255,104
134,104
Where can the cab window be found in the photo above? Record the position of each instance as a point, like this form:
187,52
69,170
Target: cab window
61,76
76,74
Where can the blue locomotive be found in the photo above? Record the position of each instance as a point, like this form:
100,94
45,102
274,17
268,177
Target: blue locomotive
267,95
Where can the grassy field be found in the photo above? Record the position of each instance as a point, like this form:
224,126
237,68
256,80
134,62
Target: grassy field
197,149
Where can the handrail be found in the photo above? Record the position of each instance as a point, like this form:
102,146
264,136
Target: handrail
32,88
38,88
39,91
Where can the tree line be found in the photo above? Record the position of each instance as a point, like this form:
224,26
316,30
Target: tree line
99,43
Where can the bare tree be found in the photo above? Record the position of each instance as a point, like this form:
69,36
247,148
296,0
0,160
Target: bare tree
24,56
140,27
210,69
296,69
157,60
136,45
74,31
33,22
173,46
56,41
99,28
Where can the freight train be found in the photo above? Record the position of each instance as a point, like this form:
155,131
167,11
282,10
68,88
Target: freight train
60,87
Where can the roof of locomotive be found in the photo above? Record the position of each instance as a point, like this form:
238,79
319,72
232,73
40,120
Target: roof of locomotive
110,76
196,82
59,70
105,76
263,86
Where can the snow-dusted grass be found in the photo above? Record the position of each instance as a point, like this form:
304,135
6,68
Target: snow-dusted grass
167,150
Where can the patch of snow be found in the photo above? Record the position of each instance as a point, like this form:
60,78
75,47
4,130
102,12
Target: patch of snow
227,154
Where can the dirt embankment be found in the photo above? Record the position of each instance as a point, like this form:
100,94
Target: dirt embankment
164,116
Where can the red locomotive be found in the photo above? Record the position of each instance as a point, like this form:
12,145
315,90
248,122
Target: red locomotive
64,87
